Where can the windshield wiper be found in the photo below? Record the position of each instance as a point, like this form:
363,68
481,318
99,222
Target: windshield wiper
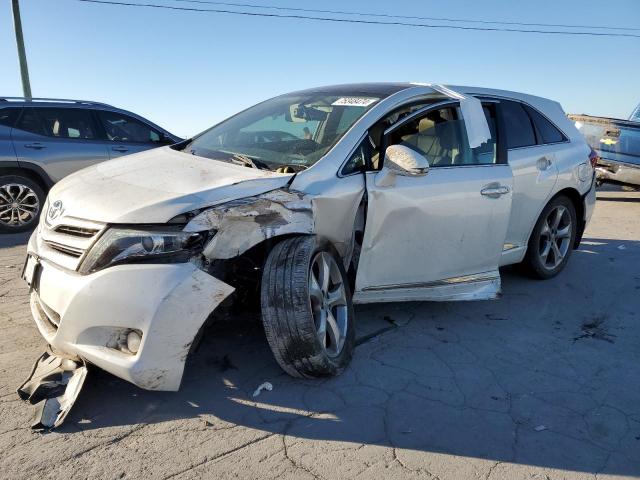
240,159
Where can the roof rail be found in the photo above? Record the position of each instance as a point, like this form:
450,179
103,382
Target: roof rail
53,100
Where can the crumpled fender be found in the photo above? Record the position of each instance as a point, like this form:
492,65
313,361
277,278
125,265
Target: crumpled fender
242,224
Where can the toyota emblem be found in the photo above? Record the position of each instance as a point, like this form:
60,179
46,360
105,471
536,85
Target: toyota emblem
55,210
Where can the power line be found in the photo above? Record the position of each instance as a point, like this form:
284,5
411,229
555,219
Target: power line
366,22
406,17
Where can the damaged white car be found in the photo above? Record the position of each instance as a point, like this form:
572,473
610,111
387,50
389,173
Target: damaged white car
313,201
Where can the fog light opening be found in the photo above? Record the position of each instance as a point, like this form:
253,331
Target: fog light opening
134,338
127,341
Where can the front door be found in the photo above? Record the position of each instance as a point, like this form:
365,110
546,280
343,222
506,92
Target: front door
438,236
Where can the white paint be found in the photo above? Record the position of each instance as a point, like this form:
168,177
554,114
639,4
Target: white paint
156,185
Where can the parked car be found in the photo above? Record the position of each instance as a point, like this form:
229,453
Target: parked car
617,143
44,140
312,201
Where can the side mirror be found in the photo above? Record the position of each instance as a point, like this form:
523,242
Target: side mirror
405,161
401,160
165,139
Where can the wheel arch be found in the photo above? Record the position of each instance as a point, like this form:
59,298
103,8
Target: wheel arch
578,203
32,172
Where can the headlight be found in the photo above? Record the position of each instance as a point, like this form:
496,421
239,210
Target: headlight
119,245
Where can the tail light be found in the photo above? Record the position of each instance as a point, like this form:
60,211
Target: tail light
593,158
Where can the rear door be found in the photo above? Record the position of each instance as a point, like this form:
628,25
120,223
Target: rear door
534,163
438,236
60,140
126,134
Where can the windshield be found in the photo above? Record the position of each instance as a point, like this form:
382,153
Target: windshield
287,133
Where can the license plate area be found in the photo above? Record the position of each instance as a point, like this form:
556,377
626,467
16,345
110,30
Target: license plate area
31,271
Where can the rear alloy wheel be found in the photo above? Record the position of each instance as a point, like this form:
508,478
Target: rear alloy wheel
21,200
553,238
306,308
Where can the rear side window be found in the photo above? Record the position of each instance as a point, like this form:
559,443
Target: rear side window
548,132
8,116
67,123
123,128
518,125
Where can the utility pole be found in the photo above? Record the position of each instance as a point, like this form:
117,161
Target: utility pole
22,56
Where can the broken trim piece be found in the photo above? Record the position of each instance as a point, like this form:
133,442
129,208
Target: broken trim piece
244,223
53,386
475,120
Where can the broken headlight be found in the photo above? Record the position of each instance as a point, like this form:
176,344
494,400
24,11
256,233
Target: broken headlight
124,245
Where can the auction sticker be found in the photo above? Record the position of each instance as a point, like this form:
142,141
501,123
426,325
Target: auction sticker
355,101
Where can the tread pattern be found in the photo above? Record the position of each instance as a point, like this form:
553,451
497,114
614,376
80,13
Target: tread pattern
286,311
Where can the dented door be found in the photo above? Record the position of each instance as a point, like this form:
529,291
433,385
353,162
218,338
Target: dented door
438,236
435,237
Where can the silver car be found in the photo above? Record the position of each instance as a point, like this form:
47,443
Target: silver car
312,202
43,140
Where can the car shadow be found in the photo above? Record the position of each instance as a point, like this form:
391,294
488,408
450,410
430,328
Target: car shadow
513,380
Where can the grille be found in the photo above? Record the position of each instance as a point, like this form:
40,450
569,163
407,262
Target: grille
66,243
74,252
76,231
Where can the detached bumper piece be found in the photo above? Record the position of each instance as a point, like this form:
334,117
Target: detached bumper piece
53,386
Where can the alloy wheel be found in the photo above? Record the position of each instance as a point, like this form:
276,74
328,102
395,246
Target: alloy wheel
328,298
19,204
555,237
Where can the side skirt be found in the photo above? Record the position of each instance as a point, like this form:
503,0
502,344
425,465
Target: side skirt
483,286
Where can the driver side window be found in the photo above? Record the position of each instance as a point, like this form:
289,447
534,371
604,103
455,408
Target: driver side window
440,136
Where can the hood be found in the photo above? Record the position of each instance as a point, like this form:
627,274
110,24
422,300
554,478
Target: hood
156,185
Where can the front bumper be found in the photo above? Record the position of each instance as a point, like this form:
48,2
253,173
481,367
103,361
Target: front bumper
85,315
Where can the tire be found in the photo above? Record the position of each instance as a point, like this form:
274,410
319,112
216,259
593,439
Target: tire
292,310
542,260
21,201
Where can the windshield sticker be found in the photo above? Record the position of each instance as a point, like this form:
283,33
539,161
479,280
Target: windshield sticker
355,101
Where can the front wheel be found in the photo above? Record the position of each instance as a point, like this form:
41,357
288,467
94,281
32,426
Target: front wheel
552,239
307,311
21,200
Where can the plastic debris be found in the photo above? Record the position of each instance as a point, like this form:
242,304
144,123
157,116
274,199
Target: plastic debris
540,428
53,386
621,247
264,386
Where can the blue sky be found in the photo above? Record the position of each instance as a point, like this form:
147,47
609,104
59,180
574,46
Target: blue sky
186,71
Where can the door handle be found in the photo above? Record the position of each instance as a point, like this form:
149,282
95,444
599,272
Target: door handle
494,191
120,149
35,145
543,163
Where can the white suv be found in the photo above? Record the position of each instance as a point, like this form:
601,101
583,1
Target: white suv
314,201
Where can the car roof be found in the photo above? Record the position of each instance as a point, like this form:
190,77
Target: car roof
379,89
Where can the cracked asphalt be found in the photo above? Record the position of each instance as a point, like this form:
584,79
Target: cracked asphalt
543,383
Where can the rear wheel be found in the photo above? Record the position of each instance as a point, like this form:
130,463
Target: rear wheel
552,240
21,200
306,308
